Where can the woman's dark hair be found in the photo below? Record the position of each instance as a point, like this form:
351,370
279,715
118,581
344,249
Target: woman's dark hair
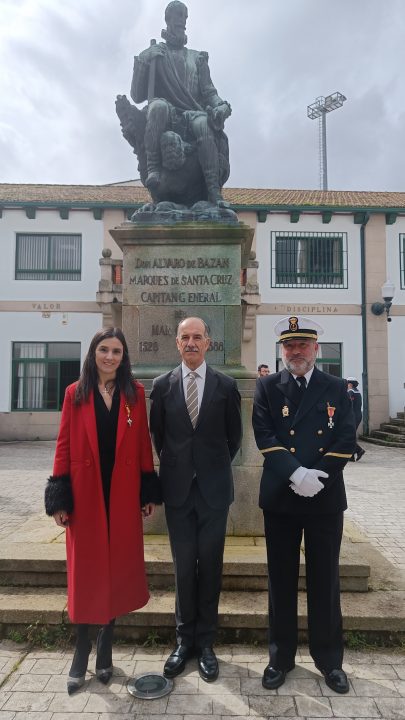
88,379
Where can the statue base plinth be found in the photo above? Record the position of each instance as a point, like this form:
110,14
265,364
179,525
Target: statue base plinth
180,270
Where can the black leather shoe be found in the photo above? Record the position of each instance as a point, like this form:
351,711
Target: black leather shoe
360,454
273,678
176,662
336,680
207,664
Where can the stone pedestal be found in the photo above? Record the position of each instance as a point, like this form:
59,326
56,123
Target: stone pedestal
175,271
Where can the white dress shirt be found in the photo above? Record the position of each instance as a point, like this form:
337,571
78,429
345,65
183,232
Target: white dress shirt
307,376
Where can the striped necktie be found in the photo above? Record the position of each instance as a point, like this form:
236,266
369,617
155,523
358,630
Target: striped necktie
192,398
302,382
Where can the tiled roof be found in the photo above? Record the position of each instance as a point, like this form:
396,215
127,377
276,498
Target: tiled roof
127,195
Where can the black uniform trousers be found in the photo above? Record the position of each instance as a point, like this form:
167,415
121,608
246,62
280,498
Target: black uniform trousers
197,539
322,537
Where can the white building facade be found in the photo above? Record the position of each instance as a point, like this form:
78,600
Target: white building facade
321,254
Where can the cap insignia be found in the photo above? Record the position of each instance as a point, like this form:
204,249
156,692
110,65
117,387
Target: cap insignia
293,324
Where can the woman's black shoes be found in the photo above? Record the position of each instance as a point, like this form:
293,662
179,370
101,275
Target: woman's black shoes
77,673
104,666
104,675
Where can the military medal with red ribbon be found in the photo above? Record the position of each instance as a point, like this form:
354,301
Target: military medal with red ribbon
331,412
129,419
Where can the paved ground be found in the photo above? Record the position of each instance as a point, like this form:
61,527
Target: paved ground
36,689
376,497
375,489
33,682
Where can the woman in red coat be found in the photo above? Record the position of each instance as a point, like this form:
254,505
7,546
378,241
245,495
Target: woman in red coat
103,482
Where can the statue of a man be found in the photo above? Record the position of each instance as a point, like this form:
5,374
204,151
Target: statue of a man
181,97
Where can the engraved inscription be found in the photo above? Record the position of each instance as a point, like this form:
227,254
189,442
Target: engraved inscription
148,346
321,309
174,278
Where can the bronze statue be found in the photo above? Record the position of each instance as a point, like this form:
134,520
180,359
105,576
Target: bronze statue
179,135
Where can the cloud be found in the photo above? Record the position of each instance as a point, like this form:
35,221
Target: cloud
64,63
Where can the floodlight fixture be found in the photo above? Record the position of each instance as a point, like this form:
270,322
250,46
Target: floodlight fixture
318,111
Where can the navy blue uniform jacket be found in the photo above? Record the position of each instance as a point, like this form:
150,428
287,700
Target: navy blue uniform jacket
291,431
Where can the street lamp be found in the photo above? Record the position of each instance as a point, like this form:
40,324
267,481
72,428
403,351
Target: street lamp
387,292
318,109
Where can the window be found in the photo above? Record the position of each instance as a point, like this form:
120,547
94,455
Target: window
48,257
329,358
402,258
308,259
41,373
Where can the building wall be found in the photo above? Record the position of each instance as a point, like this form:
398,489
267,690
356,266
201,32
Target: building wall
67,311
308,223
37,327
44,311
377,327
338,311
112,218
49,221
396,328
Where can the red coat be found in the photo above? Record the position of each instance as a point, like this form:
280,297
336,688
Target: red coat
105,569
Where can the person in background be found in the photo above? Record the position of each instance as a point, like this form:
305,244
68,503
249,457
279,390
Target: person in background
195,423
263,370
103,482
355,397
304,426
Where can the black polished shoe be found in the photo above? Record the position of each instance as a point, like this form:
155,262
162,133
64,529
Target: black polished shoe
273,678
359,454
207,664
336,680
176,662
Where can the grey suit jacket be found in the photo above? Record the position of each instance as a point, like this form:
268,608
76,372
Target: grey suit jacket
205,452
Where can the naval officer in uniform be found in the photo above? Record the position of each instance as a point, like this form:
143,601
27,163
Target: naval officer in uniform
304,425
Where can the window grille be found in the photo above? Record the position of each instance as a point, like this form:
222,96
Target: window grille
308,260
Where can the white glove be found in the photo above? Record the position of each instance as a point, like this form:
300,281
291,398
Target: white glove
305,481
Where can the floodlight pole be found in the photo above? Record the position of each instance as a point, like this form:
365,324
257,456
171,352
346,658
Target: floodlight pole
318,110
324,154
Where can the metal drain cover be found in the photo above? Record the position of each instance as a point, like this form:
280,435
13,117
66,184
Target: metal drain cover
150,686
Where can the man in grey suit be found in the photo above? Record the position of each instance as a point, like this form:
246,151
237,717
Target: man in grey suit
195,423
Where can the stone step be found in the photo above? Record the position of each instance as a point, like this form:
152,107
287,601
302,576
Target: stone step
242,615
245,564
393,429
401,415
380,438
398,421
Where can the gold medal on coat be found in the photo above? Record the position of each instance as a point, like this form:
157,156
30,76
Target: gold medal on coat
331,412
285,411
128,411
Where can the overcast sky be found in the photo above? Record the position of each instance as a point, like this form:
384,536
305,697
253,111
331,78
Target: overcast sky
62,63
